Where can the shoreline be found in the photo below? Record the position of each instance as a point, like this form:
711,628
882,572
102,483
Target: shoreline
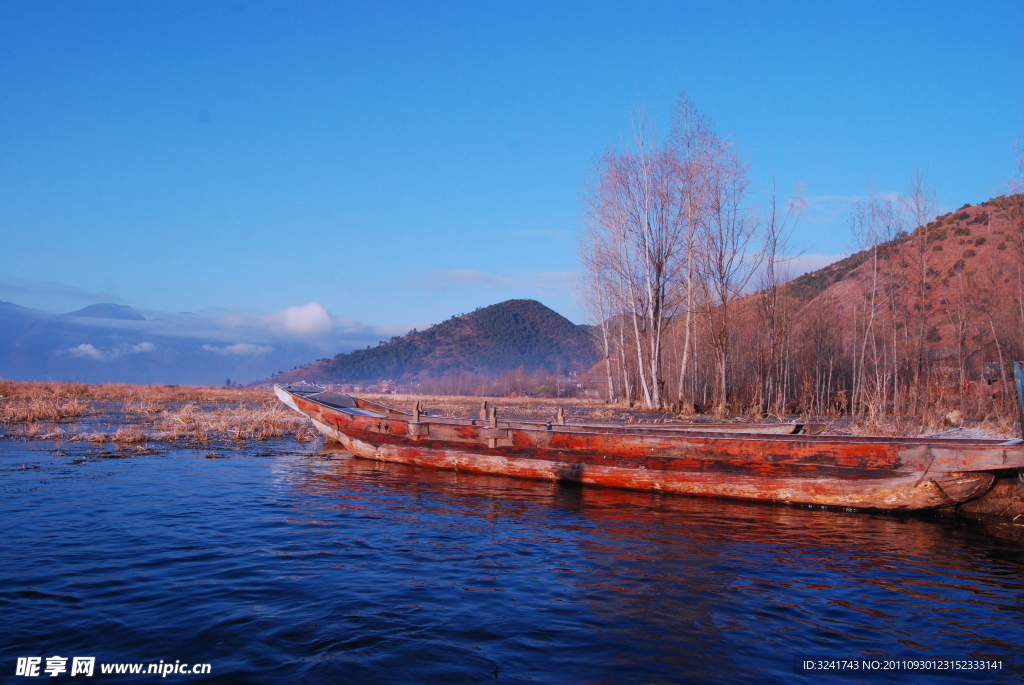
131,417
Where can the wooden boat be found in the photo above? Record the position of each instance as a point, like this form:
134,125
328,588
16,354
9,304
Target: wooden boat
693,459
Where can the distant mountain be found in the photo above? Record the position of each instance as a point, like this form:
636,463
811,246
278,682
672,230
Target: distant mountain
489,341
109,311
113,344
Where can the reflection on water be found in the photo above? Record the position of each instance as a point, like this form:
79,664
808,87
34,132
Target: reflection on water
322,568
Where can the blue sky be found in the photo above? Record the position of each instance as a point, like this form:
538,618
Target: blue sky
398,163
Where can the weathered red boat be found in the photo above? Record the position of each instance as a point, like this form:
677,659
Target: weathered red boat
791,466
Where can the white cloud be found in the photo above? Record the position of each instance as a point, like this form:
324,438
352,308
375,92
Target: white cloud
264,335
310,324
89,351
310,319
86,350
240,349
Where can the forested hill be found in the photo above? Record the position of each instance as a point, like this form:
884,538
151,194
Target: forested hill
489,341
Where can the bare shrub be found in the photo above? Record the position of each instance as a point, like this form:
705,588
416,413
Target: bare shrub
129,434
97,437
184,423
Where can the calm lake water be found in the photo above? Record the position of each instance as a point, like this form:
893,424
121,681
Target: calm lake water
274,565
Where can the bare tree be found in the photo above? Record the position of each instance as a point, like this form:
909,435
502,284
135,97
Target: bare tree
774,311
725,262
602,250
873,223
921,203
691,139
594,295
633,239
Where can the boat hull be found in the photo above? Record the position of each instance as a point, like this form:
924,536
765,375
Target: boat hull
787,469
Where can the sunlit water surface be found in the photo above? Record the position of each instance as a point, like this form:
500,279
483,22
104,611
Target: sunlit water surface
276,565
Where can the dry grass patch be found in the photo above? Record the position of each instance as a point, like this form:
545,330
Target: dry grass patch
32,409
129,434
247,422
96,438
168,413
123,392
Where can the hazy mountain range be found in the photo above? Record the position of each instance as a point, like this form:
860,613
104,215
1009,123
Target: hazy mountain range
115,343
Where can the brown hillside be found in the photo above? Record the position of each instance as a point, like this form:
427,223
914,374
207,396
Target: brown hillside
969,262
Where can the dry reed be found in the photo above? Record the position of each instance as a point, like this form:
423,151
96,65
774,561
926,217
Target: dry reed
150,413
